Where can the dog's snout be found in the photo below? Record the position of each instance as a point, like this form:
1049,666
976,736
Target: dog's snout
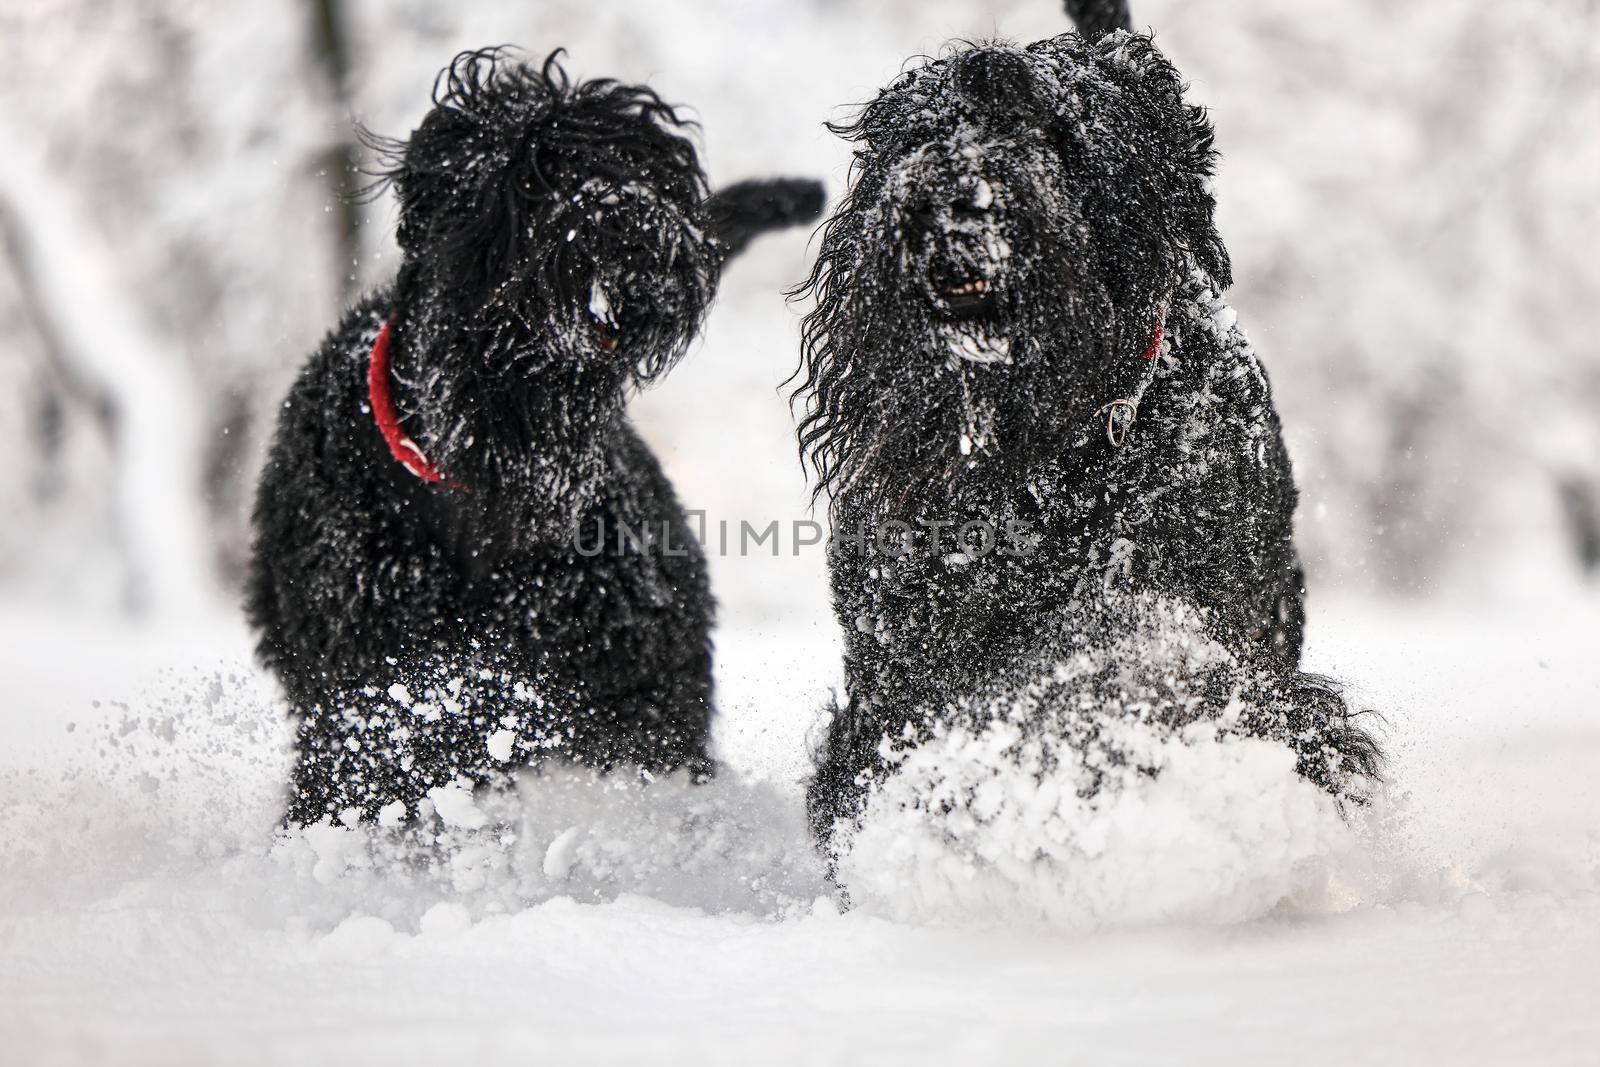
973,200
965,241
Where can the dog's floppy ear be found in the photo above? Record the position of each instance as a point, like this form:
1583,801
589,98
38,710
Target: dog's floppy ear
1185,138
1192,142
744,210
426,179
448,175
1195,210
1096,18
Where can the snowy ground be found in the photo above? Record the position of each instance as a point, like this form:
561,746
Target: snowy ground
146,916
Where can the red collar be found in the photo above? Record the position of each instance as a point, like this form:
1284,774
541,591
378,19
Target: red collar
1121,412
1154,346
401,447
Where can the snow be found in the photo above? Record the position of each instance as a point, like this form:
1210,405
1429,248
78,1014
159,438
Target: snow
500,744
600,304
455,807
159,477
976,346
147,914
969,830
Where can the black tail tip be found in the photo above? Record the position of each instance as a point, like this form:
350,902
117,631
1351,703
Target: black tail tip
744,210
1096,18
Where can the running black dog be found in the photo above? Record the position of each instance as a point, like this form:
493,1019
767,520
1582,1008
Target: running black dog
465,558
1036,418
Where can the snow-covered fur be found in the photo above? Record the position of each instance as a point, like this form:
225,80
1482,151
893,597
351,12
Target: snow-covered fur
1025,226
559,249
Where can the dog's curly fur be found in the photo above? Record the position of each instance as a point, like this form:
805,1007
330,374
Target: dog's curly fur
1019,220
559,249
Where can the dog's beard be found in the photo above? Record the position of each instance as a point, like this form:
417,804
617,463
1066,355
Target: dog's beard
988,404
920,398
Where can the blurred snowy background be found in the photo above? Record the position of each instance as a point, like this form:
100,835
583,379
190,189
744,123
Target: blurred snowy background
1411,194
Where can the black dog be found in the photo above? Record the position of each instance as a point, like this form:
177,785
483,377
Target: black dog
417,582
1019,327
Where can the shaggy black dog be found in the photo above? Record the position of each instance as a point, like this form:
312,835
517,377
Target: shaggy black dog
1019,327
465,558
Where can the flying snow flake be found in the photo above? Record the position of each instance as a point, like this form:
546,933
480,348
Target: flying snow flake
562,854
456,807
500,744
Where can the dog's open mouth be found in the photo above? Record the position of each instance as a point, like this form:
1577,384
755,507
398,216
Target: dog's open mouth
969,330
606,335
965,297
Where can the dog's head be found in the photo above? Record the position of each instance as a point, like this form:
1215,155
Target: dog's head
556,220
557,250
1015,219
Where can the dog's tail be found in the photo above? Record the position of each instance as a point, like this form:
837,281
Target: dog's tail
1096,18
744,210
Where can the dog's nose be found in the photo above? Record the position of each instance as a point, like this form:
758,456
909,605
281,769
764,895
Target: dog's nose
994,80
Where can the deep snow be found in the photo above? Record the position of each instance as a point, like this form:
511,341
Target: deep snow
146,914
